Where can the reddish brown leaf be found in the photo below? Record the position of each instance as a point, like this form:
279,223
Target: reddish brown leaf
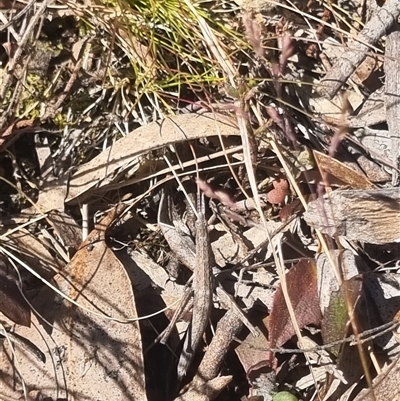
278,194
302,288
250,356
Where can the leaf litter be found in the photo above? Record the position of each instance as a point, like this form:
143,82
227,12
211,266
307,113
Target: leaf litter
308,309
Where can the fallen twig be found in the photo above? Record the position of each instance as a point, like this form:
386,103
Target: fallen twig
379,24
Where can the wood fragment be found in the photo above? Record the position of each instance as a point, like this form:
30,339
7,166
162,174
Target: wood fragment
207,392
227,329
392,97
357,50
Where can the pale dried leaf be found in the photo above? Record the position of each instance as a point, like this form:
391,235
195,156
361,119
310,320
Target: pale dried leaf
87,356
34,251
125,152
128,154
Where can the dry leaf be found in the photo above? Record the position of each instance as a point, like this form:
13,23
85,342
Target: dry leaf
87,356
127,153
124,153
302,289
334,324
251,353
33,250
327,281
339,170
278,194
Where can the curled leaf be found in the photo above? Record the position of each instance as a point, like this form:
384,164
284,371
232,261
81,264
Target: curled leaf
278,194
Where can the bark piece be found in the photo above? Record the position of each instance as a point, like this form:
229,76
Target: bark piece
371,216
205,384
392,95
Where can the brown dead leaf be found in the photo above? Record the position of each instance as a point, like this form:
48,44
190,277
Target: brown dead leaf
88,357
302,289
253,358
124,153
339,170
